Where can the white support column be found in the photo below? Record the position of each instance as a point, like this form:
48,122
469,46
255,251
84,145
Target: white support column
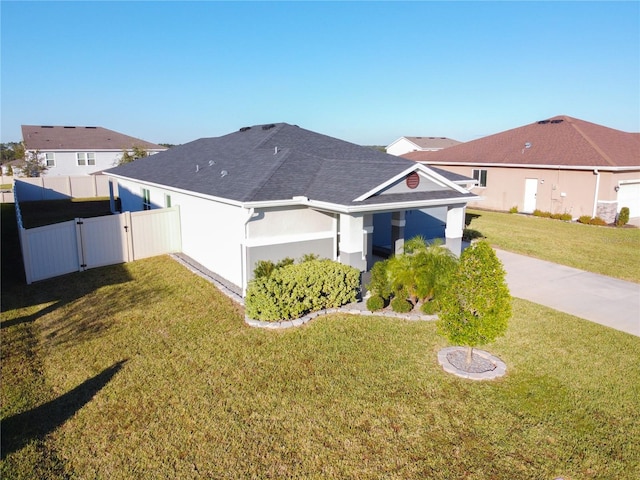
398,223
455,226
352,241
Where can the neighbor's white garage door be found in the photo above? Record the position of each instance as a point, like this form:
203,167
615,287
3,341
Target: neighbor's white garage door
629,196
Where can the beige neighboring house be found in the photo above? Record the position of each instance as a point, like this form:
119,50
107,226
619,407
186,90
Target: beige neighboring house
419,144
557,165
72,150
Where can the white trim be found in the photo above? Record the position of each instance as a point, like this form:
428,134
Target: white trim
524,165
280,239
628,182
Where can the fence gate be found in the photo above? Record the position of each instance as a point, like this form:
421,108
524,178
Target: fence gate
81,244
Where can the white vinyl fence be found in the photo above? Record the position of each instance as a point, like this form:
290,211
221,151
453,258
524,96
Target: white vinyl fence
81,244
61,187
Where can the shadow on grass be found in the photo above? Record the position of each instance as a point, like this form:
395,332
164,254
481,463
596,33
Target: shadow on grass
59,291
470,217
35,424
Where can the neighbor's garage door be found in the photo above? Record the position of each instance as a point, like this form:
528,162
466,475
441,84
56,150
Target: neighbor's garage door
629,196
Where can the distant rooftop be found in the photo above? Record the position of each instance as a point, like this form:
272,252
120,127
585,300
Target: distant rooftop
50,137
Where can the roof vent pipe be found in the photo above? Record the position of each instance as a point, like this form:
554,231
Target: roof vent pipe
275,150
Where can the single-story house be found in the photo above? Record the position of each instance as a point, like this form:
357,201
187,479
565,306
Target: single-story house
272,191
419,144
558,165
68,150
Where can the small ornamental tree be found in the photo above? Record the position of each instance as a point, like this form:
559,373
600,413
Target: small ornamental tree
623,217
34,165
476,307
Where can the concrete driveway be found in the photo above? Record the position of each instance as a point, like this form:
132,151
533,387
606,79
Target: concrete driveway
598,298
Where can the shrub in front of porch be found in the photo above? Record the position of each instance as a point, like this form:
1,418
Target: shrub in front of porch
416,276
294,290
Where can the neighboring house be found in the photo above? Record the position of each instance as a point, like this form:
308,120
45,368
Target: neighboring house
273,191
558,165
79,150
419,144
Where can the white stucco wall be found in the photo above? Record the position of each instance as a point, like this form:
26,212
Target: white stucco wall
212,232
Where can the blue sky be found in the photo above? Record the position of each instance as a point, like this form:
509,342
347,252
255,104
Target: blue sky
366,72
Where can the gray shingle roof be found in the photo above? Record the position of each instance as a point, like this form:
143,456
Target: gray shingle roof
273,162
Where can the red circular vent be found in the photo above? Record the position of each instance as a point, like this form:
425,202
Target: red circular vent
413,180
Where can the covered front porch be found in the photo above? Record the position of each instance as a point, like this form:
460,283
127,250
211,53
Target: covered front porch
364,238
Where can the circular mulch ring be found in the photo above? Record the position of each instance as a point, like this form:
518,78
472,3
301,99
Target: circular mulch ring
484,366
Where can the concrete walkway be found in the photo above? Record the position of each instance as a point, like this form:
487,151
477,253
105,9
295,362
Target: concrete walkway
598,298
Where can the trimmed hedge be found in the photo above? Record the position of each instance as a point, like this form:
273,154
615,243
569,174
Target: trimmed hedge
295,290
623,217
375,303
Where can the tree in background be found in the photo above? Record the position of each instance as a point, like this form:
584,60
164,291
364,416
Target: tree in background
34,165
476,307
11,151
129,156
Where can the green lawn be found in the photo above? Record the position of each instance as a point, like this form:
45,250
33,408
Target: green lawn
145,370
606,250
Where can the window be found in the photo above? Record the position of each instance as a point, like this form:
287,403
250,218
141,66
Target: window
167,201
481,177
146,199
49,160
86,158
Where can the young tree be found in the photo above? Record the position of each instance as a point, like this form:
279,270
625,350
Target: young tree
129,156
34,164
477,306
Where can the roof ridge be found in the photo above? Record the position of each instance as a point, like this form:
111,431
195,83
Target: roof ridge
286,152
593,144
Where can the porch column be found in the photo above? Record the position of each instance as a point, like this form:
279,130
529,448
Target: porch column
367,231
352,241
397,232
454,228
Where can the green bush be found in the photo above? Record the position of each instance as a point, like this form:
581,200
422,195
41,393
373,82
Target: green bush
623,217
586,219
264,268
566,217
540,213
375,303
597,221
380,283
295,290
513,209
430,307
400,304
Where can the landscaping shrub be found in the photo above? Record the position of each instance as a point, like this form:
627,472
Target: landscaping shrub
597,221
623,217
375,303
380,283
540,213
586,219
431,307
513,209
264,268
294,290
400,304
566,217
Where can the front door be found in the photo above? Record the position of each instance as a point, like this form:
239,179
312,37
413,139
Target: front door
530,192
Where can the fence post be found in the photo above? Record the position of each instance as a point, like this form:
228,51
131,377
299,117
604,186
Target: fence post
80,245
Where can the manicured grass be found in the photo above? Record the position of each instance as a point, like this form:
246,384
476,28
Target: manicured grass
37,214
606,250
144,370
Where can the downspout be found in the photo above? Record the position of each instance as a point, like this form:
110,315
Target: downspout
243,253
595,196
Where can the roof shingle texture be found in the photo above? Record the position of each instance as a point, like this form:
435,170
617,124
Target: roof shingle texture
272,162
433,142
38,137
558,141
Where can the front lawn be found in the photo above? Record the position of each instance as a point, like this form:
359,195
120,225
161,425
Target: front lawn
606,250
145,370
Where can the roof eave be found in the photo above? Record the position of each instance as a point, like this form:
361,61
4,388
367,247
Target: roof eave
535,166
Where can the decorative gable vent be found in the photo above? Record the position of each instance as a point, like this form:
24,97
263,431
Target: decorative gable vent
413,180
